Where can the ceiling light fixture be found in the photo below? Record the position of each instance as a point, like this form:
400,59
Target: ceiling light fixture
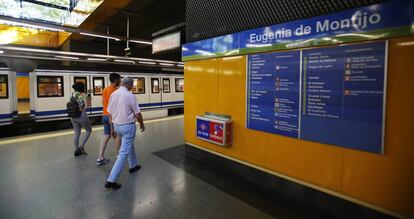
96,59
42,53
67,57
124,61
166,64
1,51
141,42
100,36
410,43
148,63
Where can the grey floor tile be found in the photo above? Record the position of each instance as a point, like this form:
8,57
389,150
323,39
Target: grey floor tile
42,179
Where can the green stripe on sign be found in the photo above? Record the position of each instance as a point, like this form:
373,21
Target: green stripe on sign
328,40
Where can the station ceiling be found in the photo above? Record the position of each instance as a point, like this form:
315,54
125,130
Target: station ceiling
145,18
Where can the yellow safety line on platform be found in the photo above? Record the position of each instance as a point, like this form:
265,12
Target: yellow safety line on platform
64,133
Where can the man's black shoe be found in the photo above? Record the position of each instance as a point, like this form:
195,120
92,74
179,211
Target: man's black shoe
134,169
110,185
77,153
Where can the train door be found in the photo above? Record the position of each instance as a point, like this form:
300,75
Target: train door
84,80
166,95
178,92
6,110
97,84
140,90
23,93
155,94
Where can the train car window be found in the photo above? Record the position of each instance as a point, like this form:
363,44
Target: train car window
82,80
50,86
4,87
98,86
139,86
179,85
155,85
166,88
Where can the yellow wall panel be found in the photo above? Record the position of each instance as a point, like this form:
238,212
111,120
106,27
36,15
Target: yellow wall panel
386,181
312,162
22,87
232,101
200,95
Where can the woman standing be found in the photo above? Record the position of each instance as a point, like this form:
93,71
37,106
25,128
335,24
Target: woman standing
83,101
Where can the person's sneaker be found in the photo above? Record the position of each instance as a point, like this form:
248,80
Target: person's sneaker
102,162
110,185
134,169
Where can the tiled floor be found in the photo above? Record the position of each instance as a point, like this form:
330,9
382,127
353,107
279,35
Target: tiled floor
41,179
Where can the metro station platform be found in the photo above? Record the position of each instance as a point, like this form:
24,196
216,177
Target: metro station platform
40,178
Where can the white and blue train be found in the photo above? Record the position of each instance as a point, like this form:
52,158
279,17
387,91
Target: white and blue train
50,90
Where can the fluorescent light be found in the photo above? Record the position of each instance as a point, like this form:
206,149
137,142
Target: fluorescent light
141,42
166,64
124,61
100,36
180,65
96,59
411,43
14,23
148,63
1,51
67,57
83,56
252,45
202,52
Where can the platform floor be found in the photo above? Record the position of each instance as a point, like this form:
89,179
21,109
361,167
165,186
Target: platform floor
40,178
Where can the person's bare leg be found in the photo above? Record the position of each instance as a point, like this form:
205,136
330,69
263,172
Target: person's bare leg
102,147
118,142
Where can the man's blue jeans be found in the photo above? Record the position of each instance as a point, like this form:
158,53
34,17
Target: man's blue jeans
127,134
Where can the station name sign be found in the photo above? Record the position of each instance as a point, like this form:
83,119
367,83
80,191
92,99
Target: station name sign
358,20
379,21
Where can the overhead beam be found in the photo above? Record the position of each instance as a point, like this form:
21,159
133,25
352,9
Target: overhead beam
43,54
52,27
169,29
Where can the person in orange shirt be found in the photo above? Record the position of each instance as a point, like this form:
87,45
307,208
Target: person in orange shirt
109,131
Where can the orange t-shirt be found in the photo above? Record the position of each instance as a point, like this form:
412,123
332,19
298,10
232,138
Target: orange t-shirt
106,94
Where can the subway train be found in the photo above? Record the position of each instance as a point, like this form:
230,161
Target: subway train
42,95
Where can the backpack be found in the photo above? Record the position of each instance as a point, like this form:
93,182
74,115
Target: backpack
72,107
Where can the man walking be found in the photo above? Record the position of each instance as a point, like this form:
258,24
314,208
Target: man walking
124,111
109,131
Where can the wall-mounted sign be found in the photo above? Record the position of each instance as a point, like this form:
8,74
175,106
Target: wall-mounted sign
332,95
215,130
167,42
384,20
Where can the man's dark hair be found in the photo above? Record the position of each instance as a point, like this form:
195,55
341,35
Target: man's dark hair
79,87
113,77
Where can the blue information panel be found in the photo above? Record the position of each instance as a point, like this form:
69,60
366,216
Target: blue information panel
273,93
337,97
343,95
